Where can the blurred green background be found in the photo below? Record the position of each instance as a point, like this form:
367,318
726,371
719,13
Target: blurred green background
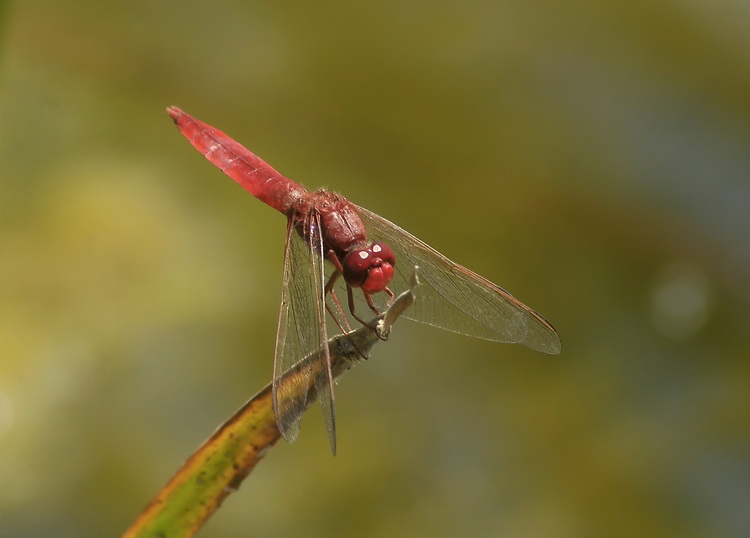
591,157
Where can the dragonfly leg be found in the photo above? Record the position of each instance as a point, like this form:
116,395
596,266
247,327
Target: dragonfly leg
329,290
336,263
350,295
391,296
332,280
340,311
338,323
371,303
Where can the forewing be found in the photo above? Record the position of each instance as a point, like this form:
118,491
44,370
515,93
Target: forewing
301,331
454,298
322,369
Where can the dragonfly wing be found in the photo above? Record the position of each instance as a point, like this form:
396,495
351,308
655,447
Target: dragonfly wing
302,331
454,298
322,371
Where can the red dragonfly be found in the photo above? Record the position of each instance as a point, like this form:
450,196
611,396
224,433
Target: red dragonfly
368,253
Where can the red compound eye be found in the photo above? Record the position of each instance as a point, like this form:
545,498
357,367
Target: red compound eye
383,251
356,265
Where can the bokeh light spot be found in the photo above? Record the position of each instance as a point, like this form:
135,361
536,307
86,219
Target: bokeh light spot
681,300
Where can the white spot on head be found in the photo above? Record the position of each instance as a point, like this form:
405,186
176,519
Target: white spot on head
377,248
364,254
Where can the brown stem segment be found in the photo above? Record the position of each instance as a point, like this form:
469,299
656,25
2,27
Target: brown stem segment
221,463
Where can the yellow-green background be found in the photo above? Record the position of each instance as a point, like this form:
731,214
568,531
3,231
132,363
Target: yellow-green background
591,157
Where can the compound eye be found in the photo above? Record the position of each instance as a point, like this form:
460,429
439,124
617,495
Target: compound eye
384,252
356,265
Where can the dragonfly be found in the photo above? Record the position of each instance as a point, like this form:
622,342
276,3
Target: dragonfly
335,249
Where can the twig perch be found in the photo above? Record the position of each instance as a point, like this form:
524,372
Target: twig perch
221,463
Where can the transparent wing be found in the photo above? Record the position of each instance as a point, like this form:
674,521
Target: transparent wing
454,298
301,331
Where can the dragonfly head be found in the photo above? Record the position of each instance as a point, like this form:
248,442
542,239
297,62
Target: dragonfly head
370,268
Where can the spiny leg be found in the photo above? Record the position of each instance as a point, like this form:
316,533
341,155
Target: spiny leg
371,303
329,289
350,295
391,296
